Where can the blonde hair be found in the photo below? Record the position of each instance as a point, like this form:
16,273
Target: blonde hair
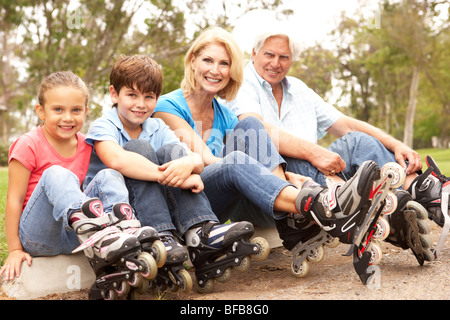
61,79
215,35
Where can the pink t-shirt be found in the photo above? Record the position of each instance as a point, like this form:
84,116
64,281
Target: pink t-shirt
36,154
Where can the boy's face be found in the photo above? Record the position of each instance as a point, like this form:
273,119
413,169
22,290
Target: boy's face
133,106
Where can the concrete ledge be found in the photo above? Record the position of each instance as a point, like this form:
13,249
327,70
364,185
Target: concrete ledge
49,275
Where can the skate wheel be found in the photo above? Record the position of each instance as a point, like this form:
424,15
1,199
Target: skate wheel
161,253
317,255
391,203
422,213
425,241
111,295
264,249
302,271
150,265
376,253
124,289
187,280
332,243
396,171
226,276
244,265
208,287
382,229
143,286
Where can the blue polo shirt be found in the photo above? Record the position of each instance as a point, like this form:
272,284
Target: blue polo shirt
110,128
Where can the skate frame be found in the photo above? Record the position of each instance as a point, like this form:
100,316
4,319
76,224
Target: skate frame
361,263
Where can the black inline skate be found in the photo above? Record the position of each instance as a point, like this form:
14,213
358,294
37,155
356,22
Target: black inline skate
409,228
216,248
115,257
173,275
432,190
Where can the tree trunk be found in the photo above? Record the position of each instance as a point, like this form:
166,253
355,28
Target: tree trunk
410,113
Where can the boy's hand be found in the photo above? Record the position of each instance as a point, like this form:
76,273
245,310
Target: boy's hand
13,263
176,172
193,182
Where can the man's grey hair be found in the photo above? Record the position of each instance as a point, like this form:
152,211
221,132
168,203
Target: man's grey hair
261,39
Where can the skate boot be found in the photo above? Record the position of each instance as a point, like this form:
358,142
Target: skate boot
409,228
432,190
147,236
306,241
173,275
115,257
341,211
215,248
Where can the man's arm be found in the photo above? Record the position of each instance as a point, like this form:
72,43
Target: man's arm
291,146
402,152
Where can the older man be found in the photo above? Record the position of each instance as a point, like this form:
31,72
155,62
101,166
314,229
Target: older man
296,117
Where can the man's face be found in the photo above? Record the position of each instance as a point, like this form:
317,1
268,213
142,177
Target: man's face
273,60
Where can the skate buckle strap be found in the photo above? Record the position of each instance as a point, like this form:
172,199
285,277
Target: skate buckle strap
445,196
332,196
96,237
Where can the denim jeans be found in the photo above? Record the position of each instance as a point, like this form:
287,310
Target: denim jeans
241,186
165,208
44,224
354,148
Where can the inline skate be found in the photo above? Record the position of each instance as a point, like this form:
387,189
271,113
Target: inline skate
365,247
115,257
409,228
432,190
215,249
173,275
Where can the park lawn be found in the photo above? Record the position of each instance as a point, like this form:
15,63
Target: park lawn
442,157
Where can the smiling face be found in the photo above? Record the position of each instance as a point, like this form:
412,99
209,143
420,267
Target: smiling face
273,60
63,113
133,106
212,68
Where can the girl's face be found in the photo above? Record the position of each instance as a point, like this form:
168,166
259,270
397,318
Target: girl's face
64,112
212,68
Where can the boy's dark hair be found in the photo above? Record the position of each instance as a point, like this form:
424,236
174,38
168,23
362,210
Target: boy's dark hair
137,70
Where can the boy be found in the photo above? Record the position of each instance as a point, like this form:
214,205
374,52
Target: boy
162,175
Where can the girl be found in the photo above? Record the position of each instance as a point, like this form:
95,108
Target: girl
46,168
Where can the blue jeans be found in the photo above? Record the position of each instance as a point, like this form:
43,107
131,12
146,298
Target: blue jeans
354,148
241,186
165,208
44,224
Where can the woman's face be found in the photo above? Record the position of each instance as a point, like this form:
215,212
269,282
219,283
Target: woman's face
212,68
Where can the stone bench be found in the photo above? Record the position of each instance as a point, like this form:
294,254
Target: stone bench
50,275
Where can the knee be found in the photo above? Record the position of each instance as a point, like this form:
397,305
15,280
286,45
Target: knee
141,147
169,152
110,174
236,158
57,173
359,137
249,123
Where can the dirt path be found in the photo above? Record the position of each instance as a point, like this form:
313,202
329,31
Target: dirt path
334,278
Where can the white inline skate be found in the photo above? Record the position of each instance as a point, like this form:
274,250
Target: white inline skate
116,257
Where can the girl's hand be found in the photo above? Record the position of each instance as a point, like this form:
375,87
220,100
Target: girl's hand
13,263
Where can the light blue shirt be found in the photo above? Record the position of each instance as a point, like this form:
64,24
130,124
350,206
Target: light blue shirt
224,120
110,128
303,113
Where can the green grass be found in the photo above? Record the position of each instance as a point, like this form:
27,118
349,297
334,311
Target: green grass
442,158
